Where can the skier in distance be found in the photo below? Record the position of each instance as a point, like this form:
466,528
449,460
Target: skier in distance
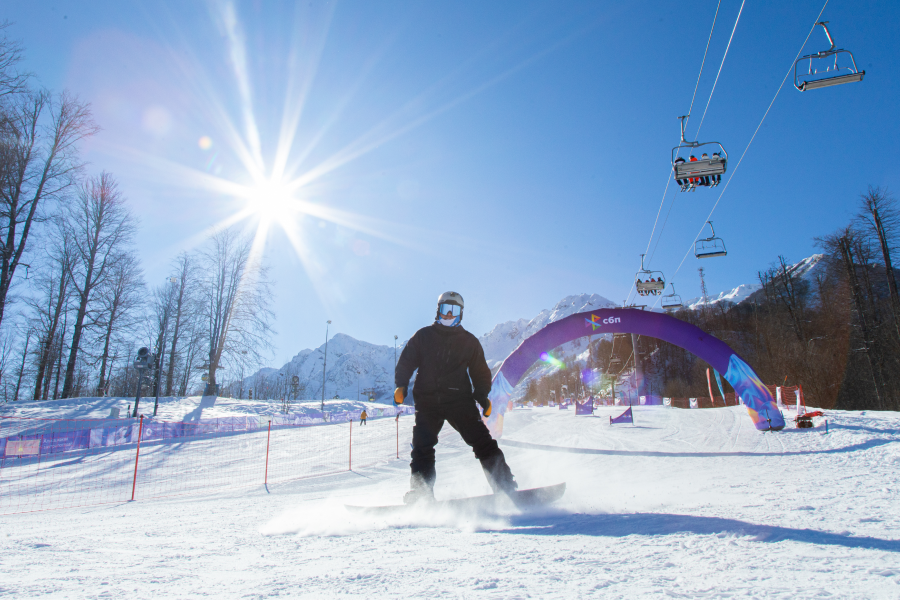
447,356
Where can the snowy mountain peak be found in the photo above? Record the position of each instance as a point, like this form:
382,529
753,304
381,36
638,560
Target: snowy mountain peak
805,269
505,337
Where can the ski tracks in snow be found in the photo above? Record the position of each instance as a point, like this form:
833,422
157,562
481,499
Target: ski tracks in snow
684,504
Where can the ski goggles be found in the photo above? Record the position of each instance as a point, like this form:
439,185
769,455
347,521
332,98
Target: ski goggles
450,309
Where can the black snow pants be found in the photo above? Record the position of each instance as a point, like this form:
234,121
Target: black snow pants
464,417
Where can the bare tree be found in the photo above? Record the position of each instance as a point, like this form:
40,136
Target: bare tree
236,301
164,301
184,276
7,342
38,164
48,305
183,299
878,215
29,333
12,80
101,226
195,337
119,298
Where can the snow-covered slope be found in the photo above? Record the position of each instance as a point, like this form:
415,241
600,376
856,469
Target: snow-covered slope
684,504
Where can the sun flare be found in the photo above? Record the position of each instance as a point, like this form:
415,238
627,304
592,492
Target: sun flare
273,201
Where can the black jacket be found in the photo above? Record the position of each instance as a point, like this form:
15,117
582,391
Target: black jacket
446,357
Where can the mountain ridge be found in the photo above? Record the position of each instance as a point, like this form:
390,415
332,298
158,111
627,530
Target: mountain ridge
355,365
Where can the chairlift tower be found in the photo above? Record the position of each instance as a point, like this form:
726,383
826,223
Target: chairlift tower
704,295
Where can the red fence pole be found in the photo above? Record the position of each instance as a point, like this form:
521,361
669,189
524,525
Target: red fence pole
268,436
398,435
136,455
350,468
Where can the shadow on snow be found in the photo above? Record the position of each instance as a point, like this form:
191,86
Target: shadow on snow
655,453
621,525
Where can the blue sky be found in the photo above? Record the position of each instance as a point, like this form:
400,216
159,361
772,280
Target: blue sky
513,152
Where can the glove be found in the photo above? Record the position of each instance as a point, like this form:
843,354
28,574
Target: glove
399,395
486,407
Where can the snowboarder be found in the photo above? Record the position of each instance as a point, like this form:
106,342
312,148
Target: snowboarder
447,356
362,417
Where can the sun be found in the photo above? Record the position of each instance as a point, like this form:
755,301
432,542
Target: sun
272,201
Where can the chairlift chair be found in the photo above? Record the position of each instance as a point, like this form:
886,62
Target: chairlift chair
672,301
834,74
710,247
701,171
643,283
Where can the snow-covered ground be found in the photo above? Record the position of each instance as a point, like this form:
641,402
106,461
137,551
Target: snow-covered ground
685,503
175,409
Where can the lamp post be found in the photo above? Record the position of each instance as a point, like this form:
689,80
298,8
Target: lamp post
324,366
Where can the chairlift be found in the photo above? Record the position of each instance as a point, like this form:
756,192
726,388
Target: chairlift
834,74
710,247
693,172
672,301
649,283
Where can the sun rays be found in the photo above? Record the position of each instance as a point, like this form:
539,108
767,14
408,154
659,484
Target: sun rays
266,168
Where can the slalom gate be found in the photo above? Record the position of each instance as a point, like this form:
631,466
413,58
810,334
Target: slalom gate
62,463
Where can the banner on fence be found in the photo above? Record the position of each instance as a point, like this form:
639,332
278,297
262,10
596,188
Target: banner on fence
117,435
23,447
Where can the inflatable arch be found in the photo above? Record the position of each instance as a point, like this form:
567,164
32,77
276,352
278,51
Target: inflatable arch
759,402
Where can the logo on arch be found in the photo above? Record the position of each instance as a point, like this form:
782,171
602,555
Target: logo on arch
596,322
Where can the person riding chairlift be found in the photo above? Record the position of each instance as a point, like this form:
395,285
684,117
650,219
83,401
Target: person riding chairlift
705,179
680,161
717,157
694,180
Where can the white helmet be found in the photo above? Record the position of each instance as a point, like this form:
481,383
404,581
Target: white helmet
449,303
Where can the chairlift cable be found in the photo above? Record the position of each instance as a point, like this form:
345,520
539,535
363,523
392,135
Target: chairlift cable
697,85
722,64
668,178
661,229
753,137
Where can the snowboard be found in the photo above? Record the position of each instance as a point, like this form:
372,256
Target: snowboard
522,499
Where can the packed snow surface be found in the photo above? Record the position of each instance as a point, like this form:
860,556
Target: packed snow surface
684,503
177,409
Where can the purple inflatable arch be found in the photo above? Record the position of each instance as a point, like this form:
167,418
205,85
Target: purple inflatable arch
759,402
